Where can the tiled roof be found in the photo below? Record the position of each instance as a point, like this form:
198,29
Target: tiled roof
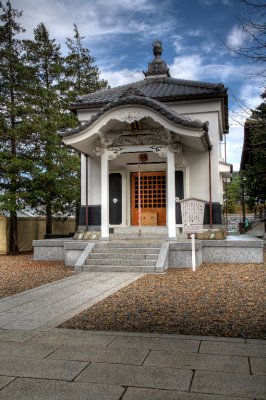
163,89
132,97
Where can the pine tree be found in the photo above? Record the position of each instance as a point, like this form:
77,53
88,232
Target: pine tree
55,184
82,75
15,148
254,161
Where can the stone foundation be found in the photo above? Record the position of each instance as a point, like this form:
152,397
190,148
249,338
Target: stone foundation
234,249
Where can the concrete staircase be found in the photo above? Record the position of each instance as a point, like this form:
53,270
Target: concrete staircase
129,256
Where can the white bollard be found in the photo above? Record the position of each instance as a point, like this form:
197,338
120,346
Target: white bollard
193,252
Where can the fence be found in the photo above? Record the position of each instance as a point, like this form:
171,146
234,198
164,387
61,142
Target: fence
32,228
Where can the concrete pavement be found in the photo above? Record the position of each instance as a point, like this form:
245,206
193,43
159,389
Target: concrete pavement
41,362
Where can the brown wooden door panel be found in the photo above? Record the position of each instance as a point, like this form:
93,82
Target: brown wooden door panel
152,198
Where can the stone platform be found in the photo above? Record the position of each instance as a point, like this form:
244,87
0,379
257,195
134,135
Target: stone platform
172,254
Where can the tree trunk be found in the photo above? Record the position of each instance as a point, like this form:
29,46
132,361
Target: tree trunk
13,235
49,218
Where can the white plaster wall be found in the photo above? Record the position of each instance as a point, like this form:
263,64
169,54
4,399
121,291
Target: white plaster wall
85,115
199,162
94,181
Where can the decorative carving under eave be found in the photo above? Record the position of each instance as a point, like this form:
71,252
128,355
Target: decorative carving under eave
108,139
111,152
99,150
175,148
131,116
160,150
131,140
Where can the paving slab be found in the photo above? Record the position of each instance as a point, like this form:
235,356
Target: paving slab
5,380
26,324
208,362
155,394
6,318
229,384
99,355
169,336
256,341
71,338
131,375
237,349
258,365
15,336
28,349
177,345
40,389
40,368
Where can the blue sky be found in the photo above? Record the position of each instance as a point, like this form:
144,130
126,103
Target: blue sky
195,33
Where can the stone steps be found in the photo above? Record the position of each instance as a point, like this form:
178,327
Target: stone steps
121,261
117,250
118,256
133,235
128,268
159,233
130,256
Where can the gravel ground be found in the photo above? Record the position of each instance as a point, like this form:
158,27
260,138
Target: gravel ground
19,273
217,299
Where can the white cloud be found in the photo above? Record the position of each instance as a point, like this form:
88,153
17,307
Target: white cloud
247,98
177,42
195,32
251,92
186,67
212,2
234,143
121,77
236,38
195,66
94,18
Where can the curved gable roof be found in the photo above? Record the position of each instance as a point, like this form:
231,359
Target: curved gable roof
138,100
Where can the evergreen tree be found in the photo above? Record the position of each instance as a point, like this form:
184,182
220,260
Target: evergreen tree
253,165
82,75
15,147
233,193
55,183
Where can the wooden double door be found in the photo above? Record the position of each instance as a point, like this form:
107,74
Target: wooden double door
149,192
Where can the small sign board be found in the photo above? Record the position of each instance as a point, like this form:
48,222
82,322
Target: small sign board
192,211
193,228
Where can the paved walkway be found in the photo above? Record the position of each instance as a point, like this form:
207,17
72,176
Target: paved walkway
41,362
45,307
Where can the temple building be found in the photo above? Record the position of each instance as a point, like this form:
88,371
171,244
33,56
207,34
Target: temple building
147,145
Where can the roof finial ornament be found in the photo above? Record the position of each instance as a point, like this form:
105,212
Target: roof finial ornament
157,48
157,68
